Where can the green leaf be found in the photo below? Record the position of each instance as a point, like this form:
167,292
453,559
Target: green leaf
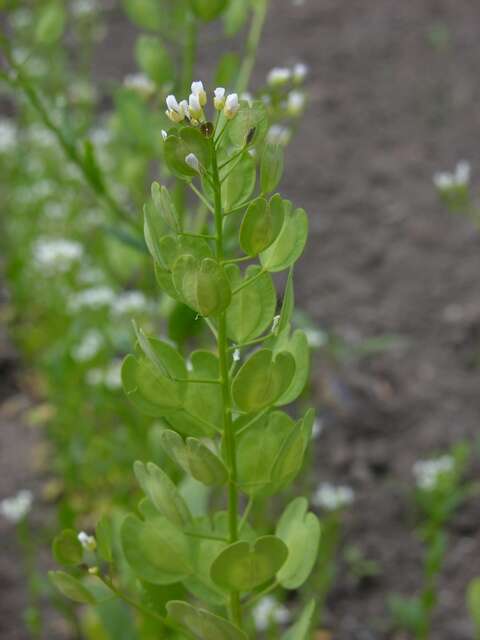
50,23
104,537
252,308
202,624
301,630
301,533
195,458
297,346
145,13
156,550
271,167
154,60
66,548
178,147
262,379
70,587
203,285
242,566
261,225
163,493
165,206
473,602
208,9
270,453
290,243
249,118
239,184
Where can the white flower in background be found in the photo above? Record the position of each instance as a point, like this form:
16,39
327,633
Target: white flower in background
56,255
88,542
41,136
91,275
445,180
299,72
269,611
21,18
295,103
199,92
100,136
16,508
277,134
8,135
54,210
193,162
92,298
219,98
89,346
278,76
315,338
247,97
113,375
83,8
232,105
428,472
331,497
139,82
129,302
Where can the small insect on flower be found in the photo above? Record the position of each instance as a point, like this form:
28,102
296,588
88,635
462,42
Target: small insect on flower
232,106
219,98
199,92
193,162
278,76
88,542
175,111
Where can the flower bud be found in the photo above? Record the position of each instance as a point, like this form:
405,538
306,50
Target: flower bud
300,71
193,162
232,105
88,542
295,103
219,99
199,91
194,107
174,111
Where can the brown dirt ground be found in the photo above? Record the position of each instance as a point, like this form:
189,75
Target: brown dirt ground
387,109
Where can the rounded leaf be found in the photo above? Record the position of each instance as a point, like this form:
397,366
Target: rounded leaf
153,59
178,147
239,183
203,284
262,379
297,346
271,167
242,566
202,624
261,225
249,125
70,587
66,548
289,244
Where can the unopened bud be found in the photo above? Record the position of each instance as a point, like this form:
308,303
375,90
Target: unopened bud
219,98
199,91
231,106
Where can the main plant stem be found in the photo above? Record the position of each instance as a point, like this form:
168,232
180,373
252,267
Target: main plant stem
228,433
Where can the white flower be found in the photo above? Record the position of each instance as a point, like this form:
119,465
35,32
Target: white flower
444,181
164,134
194,106
16,508
199,91
300,71
56,255
247,96
8,135
82,8
139,82
278,76
462,172
129,302
315,338
269,610
278,135
331,497
295,103
193,162
175,111
88,542
88,347
92,298
219,98
232,105
428,472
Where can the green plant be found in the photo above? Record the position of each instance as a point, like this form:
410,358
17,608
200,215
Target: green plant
220,408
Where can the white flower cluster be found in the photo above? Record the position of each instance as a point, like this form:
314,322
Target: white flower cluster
331,497
89,346
192,109
129,302
279,76
278,134
56,255
139,82
428,472
8,135
16,508
88,542
269,610
444,180
109,377
92,298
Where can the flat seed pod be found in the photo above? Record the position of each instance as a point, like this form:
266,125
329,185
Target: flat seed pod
261,225
203,285
289,244
262,379
177,147
239,182
301,533
297,346
204,400
156,550
202,624
242,566
165,206
162,492
249,118
271,167
252,308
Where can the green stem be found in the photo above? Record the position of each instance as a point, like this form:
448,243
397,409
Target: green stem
251,47
249,281
228,431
